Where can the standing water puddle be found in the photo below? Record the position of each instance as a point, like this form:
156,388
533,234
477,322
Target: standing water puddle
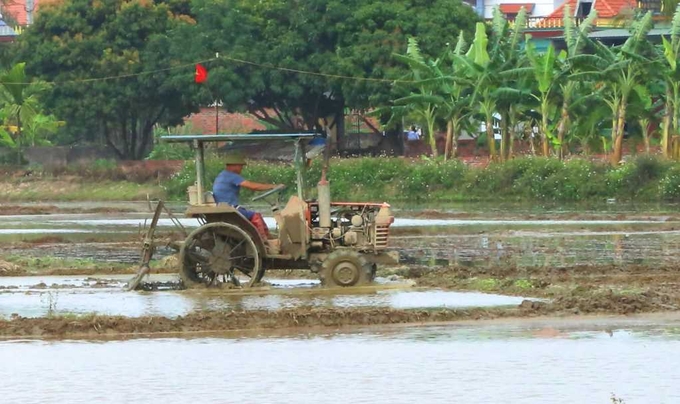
40,296
507,363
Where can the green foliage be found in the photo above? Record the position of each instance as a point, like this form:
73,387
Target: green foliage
637,178
669,186
171,151
523,284
24,124
336,37
78,40
523,179
484,283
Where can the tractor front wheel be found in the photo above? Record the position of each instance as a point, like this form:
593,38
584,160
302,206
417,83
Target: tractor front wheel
346,268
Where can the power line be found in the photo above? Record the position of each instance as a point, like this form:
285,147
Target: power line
231,59
327,75
121,76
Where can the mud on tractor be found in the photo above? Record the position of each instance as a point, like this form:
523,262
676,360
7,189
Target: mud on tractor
343,242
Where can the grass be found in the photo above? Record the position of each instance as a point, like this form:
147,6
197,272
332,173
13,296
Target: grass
485,284
55,189
523,284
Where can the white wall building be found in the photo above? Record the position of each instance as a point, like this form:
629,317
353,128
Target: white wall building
537,8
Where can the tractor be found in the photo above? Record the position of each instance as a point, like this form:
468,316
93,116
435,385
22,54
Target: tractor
343,242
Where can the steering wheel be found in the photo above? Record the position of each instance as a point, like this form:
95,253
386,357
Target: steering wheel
270,192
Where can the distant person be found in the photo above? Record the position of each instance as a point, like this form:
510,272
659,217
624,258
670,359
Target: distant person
228,185
413,134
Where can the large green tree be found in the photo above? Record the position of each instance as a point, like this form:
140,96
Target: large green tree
77,43
339,39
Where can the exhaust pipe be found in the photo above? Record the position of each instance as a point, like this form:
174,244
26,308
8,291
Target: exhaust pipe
324,189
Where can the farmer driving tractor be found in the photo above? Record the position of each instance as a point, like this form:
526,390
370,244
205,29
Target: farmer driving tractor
228,184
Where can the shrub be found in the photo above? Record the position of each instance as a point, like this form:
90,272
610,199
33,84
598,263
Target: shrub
638,178
669,186
527,178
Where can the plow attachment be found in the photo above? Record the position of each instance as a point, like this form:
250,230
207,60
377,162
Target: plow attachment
148,246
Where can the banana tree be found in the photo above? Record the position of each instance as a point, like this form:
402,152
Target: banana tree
423,102
483,72
457,94
545,70
512,93
571,90
670,66
620,70
590,130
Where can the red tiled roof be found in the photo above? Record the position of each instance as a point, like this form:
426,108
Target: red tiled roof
612,8
604,8
17,9
507,8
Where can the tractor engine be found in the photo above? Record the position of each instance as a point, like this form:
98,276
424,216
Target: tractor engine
361,226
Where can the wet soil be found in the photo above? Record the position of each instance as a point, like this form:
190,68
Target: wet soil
10,210
306,318
619,216
59,327
580,289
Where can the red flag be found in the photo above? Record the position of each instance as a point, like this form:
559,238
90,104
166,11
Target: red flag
201,74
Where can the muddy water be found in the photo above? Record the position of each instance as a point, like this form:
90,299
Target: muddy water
445,241
41,296
483,363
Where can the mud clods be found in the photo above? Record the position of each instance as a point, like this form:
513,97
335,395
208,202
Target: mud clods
9,269
59,327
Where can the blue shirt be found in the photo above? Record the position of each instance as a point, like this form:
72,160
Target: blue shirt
226,187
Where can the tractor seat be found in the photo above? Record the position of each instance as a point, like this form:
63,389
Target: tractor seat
209,198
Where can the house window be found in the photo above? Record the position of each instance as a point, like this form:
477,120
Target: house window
584,8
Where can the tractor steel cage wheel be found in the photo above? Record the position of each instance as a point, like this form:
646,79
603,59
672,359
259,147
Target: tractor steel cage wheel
346,268
220,250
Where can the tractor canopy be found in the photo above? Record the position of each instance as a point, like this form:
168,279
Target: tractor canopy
292,147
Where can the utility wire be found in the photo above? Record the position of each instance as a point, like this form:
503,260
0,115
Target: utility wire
231,59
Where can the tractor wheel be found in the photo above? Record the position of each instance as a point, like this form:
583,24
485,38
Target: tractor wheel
346,268
220,251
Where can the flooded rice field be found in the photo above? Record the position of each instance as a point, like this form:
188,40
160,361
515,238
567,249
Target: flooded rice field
650,239
539,361
293,341
35,296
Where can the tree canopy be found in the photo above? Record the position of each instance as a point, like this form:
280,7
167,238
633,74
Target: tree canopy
76,42
349,38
